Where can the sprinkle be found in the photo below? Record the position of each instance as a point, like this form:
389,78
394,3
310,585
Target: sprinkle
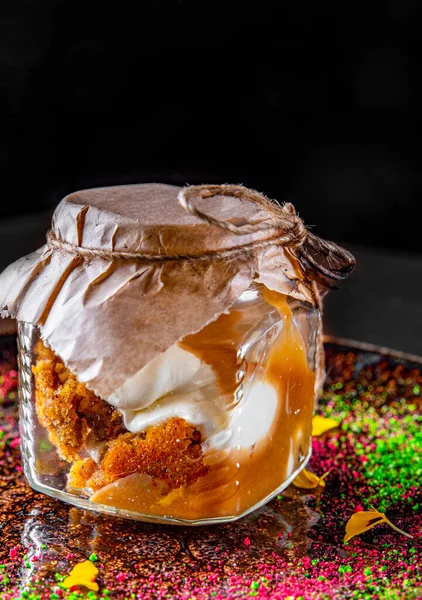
247,541
93,557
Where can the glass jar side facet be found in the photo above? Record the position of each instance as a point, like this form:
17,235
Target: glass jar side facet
216,427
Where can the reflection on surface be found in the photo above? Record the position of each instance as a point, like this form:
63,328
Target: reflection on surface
53,534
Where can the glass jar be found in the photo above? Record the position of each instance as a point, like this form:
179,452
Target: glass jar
208,431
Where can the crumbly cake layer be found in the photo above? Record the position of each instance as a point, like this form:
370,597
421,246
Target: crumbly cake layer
68,409
170,452
75,417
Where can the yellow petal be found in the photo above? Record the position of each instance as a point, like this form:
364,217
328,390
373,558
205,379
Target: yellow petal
366,519
362,521
308,480
83,574
322,424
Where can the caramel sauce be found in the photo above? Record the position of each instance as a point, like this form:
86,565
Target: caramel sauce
240,478
217,345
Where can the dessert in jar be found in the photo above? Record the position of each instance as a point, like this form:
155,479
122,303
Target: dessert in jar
170,350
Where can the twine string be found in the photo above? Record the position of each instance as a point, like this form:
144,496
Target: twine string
283,218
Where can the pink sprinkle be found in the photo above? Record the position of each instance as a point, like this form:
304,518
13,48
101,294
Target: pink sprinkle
363,458
247,541
15,442
121,577
34,559
13,553
70,556
358,508
217,548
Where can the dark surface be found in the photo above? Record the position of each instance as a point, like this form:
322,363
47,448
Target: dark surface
317,103
381,303
289,549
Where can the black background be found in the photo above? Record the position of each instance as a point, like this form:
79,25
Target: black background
315,103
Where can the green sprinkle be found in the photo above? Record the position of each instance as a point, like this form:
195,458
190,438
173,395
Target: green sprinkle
254,585
367,571
344,569
93,557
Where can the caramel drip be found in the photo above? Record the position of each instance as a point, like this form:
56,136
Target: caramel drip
217,345
240,478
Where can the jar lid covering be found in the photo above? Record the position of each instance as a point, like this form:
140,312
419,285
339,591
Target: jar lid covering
148,219
128,271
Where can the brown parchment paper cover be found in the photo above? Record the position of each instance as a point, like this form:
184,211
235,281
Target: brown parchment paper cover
108,318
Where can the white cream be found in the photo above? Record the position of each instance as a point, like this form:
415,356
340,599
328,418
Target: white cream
177,383
168,372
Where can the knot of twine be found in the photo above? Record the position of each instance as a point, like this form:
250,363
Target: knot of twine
284,222
282,225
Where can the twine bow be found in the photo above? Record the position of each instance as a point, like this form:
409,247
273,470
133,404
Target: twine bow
284,227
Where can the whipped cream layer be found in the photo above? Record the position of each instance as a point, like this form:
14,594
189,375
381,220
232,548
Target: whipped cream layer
177,383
